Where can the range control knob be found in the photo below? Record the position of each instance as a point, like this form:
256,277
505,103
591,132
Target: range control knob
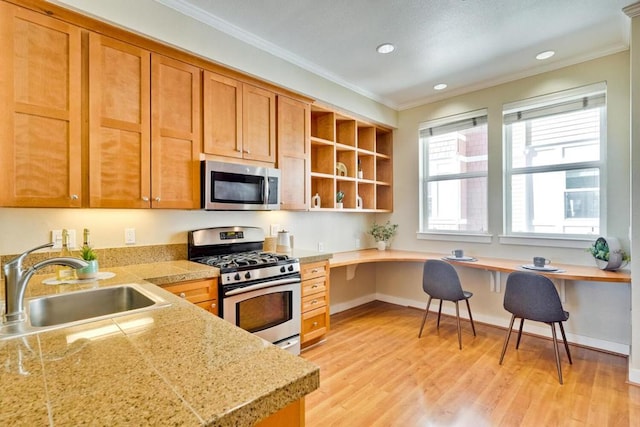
247,275
236,277
282,269
291,268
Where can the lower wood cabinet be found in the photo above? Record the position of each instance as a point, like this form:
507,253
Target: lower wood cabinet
291,415
315,302
203,292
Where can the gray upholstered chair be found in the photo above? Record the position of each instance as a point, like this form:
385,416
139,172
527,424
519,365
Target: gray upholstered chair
534,297
440,281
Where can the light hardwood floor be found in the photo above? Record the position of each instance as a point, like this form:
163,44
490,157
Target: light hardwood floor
374,371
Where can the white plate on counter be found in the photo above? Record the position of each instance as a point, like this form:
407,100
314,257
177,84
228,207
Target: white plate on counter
100,276
462,258
545,268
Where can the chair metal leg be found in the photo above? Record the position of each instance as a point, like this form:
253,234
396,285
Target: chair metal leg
520,333
506,339
471,317
439,313
555,347
459,331
424,318
566,344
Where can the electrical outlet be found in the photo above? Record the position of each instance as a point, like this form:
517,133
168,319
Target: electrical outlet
56,238
357,243
320,247
274,229
129,236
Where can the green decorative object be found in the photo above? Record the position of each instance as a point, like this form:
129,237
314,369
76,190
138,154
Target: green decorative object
608,253
383,232
339,196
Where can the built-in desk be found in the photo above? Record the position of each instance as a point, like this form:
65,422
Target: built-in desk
501,265
495,266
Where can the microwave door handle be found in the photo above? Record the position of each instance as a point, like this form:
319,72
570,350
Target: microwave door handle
266,189
262,285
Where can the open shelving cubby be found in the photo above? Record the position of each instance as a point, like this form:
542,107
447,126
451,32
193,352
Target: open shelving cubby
338,139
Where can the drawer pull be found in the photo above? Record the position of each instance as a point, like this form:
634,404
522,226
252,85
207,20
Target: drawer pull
315,301
315,270
213,305
183,295
314,324
314,286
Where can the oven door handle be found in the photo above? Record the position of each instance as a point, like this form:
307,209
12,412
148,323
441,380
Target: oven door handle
262,285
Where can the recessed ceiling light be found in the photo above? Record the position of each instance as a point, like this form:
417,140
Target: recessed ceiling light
440,86
386,48
546,54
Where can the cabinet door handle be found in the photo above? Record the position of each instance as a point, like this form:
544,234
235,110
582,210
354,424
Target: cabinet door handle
247,151
145,199
157,199
74,197
182,295
213,305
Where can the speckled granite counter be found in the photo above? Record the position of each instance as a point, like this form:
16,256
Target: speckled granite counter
172,366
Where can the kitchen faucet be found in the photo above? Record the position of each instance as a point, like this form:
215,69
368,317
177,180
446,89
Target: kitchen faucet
16,280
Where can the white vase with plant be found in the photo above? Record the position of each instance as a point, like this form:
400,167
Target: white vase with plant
608,254
382,233
339,198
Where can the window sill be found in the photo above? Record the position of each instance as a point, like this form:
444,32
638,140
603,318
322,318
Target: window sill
455,237
553,242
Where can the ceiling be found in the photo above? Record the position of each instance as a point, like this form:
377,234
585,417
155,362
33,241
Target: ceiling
467,44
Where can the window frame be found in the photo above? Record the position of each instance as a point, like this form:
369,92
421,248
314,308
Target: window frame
424,180
554,99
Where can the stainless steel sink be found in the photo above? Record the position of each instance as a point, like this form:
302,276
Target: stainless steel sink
62,310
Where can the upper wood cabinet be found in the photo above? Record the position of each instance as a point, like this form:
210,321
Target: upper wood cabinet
119,124
144,128
239,119
40,93
293,152
176,140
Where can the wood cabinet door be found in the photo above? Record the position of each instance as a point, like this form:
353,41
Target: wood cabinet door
222,105
294,145
259,124
40,130
119,141
175,134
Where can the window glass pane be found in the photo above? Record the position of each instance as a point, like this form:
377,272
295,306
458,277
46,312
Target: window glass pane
559,139
458,152
565,202
457,204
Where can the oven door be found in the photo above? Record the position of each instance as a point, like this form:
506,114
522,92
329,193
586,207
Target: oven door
270,310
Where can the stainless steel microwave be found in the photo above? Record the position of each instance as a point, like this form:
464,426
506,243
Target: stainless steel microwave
236,187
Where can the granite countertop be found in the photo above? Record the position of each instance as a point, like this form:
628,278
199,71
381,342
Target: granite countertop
178,365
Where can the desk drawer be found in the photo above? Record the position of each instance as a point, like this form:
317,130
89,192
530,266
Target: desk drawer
314,269
313,302
314,286
314,324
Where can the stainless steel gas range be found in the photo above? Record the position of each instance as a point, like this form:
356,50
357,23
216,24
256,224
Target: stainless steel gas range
258,291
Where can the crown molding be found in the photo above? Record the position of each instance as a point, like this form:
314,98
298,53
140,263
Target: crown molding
632,10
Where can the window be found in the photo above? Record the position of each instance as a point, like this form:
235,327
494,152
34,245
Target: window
453,181
553,163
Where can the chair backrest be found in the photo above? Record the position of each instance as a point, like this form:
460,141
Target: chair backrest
440,281
533,296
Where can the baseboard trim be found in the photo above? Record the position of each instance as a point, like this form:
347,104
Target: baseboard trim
533,328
